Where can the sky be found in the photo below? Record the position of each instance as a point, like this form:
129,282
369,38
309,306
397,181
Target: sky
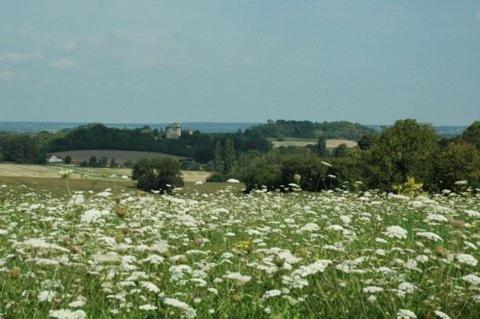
115,61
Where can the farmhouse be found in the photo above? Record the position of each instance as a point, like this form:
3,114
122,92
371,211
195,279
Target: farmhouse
55,159
173,131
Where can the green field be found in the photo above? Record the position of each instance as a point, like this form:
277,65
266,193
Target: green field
103,173
127,254
119,155
46,178
299,142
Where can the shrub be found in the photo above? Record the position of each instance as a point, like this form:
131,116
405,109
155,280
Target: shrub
68,159
405,149
92,161
102,162
410,188
341,150
217,178
459,161
472,134
129,164
310,169
159,174
261,173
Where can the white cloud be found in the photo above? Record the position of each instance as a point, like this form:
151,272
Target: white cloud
66,64
19,56
6,75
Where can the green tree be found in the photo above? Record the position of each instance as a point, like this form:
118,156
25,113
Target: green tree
322,146
217,157
113,162
68,159
228,156
365,142
472,134
341,150
310,169
157,174
261,172
103,161
457,162
405,149
92,161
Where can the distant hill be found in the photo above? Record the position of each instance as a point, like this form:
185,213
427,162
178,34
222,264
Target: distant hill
204,127
442,130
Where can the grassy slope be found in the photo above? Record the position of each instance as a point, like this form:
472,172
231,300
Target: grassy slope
299,142
119,155
46,178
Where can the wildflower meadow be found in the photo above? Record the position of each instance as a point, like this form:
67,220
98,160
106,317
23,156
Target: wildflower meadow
229,255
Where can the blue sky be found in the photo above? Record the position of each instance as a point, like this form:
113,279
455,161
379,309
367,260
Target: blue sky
248,60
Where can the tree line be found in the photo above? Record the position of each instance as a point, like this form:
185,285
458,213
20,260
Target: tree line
406,152
305,129
386,160
24,148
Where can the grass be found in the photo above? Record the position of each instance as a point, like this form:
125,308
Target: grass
52,171
299,142
46,178
119,155
57,185
223,255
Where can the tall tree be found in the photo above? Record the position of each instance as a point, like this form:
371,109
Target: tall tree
341,150
365,142
228,155
322,146
459,161
472,134
157,174
405,149
218,157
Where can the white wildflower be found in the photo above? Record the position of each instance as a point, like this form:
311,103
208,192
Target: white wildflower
467,259
396,232
238,277
441,315
372,289
406,314
67,314
147,307
189,311
150,286
429,235
271,293
93,215
310,227
472,279
46,296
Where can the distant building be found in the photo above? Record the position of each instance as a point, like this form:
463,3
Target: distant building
173,131
55,159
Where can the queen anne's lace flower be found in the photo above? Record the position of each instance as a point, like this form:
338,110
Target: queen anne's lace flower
396,232
467,259
406,314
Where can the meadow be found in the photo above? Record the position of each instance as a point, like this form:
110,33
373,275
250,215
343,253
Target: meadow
125,254
120,156
98,173
303,142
